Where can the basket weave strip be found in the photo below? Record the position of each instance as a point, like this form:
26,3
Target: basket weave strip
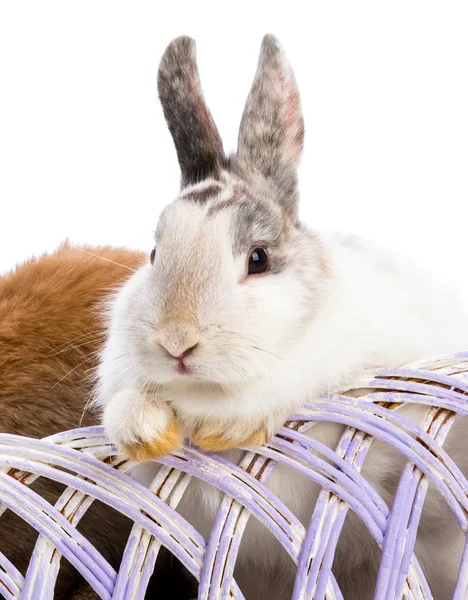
90,468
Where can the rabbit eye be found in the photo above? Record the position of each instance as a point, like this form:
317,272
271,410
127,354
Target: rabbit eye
258,261
152,255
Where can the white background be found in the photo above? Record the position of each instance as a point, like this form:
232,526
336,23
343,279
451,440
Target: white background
85,154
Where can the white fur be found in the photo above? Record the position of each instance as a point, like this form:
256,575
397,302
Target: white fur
376,311
331,308
132,416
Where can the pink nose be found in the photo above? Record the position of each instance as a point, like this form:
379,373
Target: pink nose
178,351
186,352
178,342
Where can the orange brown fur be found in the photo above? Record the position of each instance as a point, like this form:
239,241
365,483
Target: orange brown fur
50,330
219,443
160,446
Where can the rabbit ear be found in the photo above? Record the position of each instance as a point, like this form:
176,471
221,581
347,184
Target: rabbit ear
272,128
196,138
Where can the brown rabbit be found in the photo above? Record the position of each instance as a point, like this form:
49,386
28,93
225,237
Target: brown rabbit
50,332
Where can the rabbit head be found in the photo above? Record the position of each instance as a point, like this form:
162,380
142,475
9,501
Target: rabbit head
234,276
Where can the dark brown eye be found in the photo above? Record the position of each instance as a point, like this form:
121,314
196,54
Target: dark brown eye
258,261
152,255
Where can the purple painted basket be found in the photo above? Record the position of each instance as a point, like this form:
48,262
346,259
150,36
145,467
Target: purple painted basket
441,383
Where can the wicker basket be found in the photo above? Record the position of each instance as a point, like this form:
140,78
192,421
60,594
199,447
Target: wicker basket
441,383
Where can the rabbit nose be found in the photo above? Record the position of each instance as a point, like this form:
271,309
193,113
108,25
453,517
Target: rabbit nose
185,353
177,343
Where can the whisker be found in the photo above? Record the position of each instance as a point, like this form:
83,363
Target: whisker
80,337
256,347
109,260
101,333
69,373
73,347
86,407
276,356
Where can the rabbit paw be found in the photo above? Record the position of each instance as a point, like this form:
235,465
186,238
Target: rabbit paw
214,439
142,427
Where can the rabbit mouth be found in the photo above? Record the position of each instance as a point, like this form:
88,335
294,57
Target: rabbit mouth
182,368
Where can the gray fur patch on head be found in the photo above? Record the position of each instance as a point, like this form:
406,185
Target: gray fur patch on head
254,221
202,194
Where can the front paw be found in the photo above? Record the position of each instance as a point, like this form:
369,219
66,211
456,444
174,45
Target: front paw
216,437
142,427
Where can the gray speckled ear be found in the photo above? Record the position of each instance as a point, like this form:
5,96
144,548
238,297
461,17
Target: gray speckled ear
196,138
272,128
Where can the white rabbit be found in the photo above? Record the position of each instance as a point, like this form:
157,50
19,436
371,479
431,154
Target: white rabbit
243,314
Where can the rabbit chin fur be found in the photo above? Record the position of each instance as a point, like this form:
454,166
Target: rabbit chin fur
330,308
